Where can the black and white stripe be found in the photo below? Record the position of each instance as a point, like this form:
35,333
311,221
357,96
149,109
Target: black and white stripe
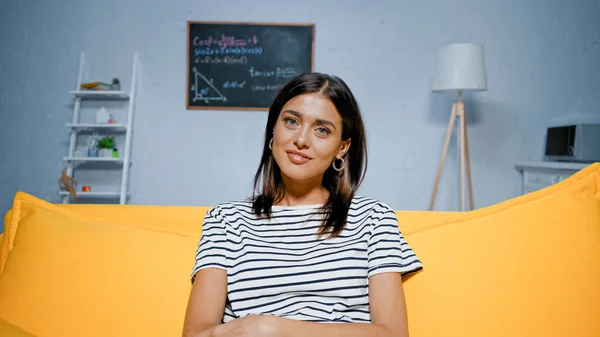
280,267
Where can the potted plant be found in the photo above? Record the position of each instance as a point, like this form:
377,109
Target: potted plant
106,146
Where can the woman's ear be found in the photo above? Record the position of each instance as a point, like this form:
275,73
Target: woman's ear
344,147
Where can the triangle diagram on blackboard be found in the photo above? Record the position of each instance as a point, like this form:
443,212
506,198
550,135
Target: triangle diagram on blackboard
204,90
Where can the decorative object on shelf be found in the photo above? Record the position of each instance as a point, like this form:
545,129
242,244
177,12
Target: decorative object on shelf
67,183
86,188
78,154
114,86
105,146
460,67
93,145
103,116
115,153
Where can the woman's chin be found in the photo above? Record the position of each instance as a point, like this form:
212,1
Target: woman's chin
299,173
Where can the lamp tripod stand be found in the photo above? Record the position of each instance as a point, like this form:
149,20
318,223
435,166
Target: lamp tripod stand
458,111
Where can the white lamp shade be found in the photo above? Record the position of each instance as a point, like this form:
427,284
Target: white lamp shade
460,66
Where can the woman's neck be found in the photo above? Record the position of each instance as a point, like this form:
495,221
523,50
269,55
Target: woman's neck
298,194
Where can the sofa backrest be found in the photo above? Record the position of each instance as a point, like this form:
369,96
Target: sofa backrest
190,217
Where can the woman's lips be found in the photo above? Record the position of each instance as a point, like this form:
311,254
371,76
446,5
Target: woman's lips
297,157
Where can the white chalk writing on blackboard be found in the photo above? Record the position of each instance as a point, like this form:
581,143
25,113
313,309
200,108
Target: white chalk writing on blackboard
272,87
278,72
225,41
234,84
225,60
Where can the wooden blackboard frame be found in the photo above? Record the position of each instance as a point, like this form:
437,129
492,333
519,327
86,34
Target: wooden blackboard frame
188,60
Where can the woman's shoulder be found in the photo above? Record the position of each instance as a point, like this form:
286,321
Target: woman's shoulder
363,203
233,206
226,213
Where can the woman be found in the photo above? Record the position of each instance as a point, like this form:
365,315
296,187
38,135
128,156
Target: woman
304,250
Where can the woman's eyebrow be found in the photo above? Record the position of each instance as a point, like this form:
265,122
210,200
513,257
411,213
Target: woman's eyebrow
318,120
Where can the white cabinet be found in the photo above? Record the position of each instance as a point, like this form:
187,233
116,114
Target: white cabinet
540,174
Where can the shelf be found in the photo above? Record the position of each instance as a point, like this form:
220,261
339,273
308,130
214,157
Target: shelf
556,165
93,194
116,127
94,159
100,94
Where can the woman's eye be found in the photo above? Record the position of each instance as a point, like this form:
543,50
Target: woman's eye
323,131
290,121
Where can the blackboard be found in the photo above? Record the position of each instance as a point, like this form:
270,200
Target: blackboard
232,65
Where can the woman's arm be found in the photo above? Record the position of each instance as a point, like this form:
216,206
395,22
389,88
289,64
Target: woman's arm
388,318
206,303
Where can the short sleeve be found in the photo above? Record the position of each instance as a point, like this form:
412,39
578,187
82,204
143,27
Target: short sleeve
211,251
388,250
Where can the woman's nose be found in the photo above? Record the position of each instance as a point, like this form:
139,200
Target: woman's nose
302,140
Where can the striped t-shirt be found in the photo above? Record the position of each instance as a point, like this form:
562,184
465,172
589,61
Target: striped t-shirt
280,267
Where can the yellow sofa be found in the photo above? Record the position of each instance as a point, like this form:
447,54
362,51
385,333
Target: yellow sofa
529,266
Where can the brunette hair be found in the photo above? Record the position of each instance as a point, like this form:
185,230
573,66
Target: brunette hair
341,185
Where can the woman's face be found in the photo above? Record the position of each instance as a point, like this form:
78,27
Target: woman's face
307,137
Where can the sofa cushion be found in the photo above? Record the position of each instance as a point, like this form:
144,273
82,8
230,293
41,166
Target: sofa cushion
69,274
529,266
10,330
181,219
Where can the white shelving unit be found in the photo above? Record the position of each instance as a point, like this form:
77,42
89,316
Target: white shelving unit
94,159
92,126
93,194
76,127
100,94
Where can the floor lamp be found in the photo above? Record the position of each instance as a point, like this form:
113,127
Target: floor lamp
460,68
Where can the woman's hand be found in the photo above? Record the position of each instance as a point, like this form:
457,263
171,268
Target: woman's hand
248,326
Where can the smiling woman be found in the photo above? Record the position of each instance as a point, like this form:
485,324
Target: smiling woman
316,117
304,250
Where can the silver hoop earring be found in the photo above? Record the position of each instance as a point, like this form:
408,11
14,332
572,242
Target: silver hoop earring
271,144
338,168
